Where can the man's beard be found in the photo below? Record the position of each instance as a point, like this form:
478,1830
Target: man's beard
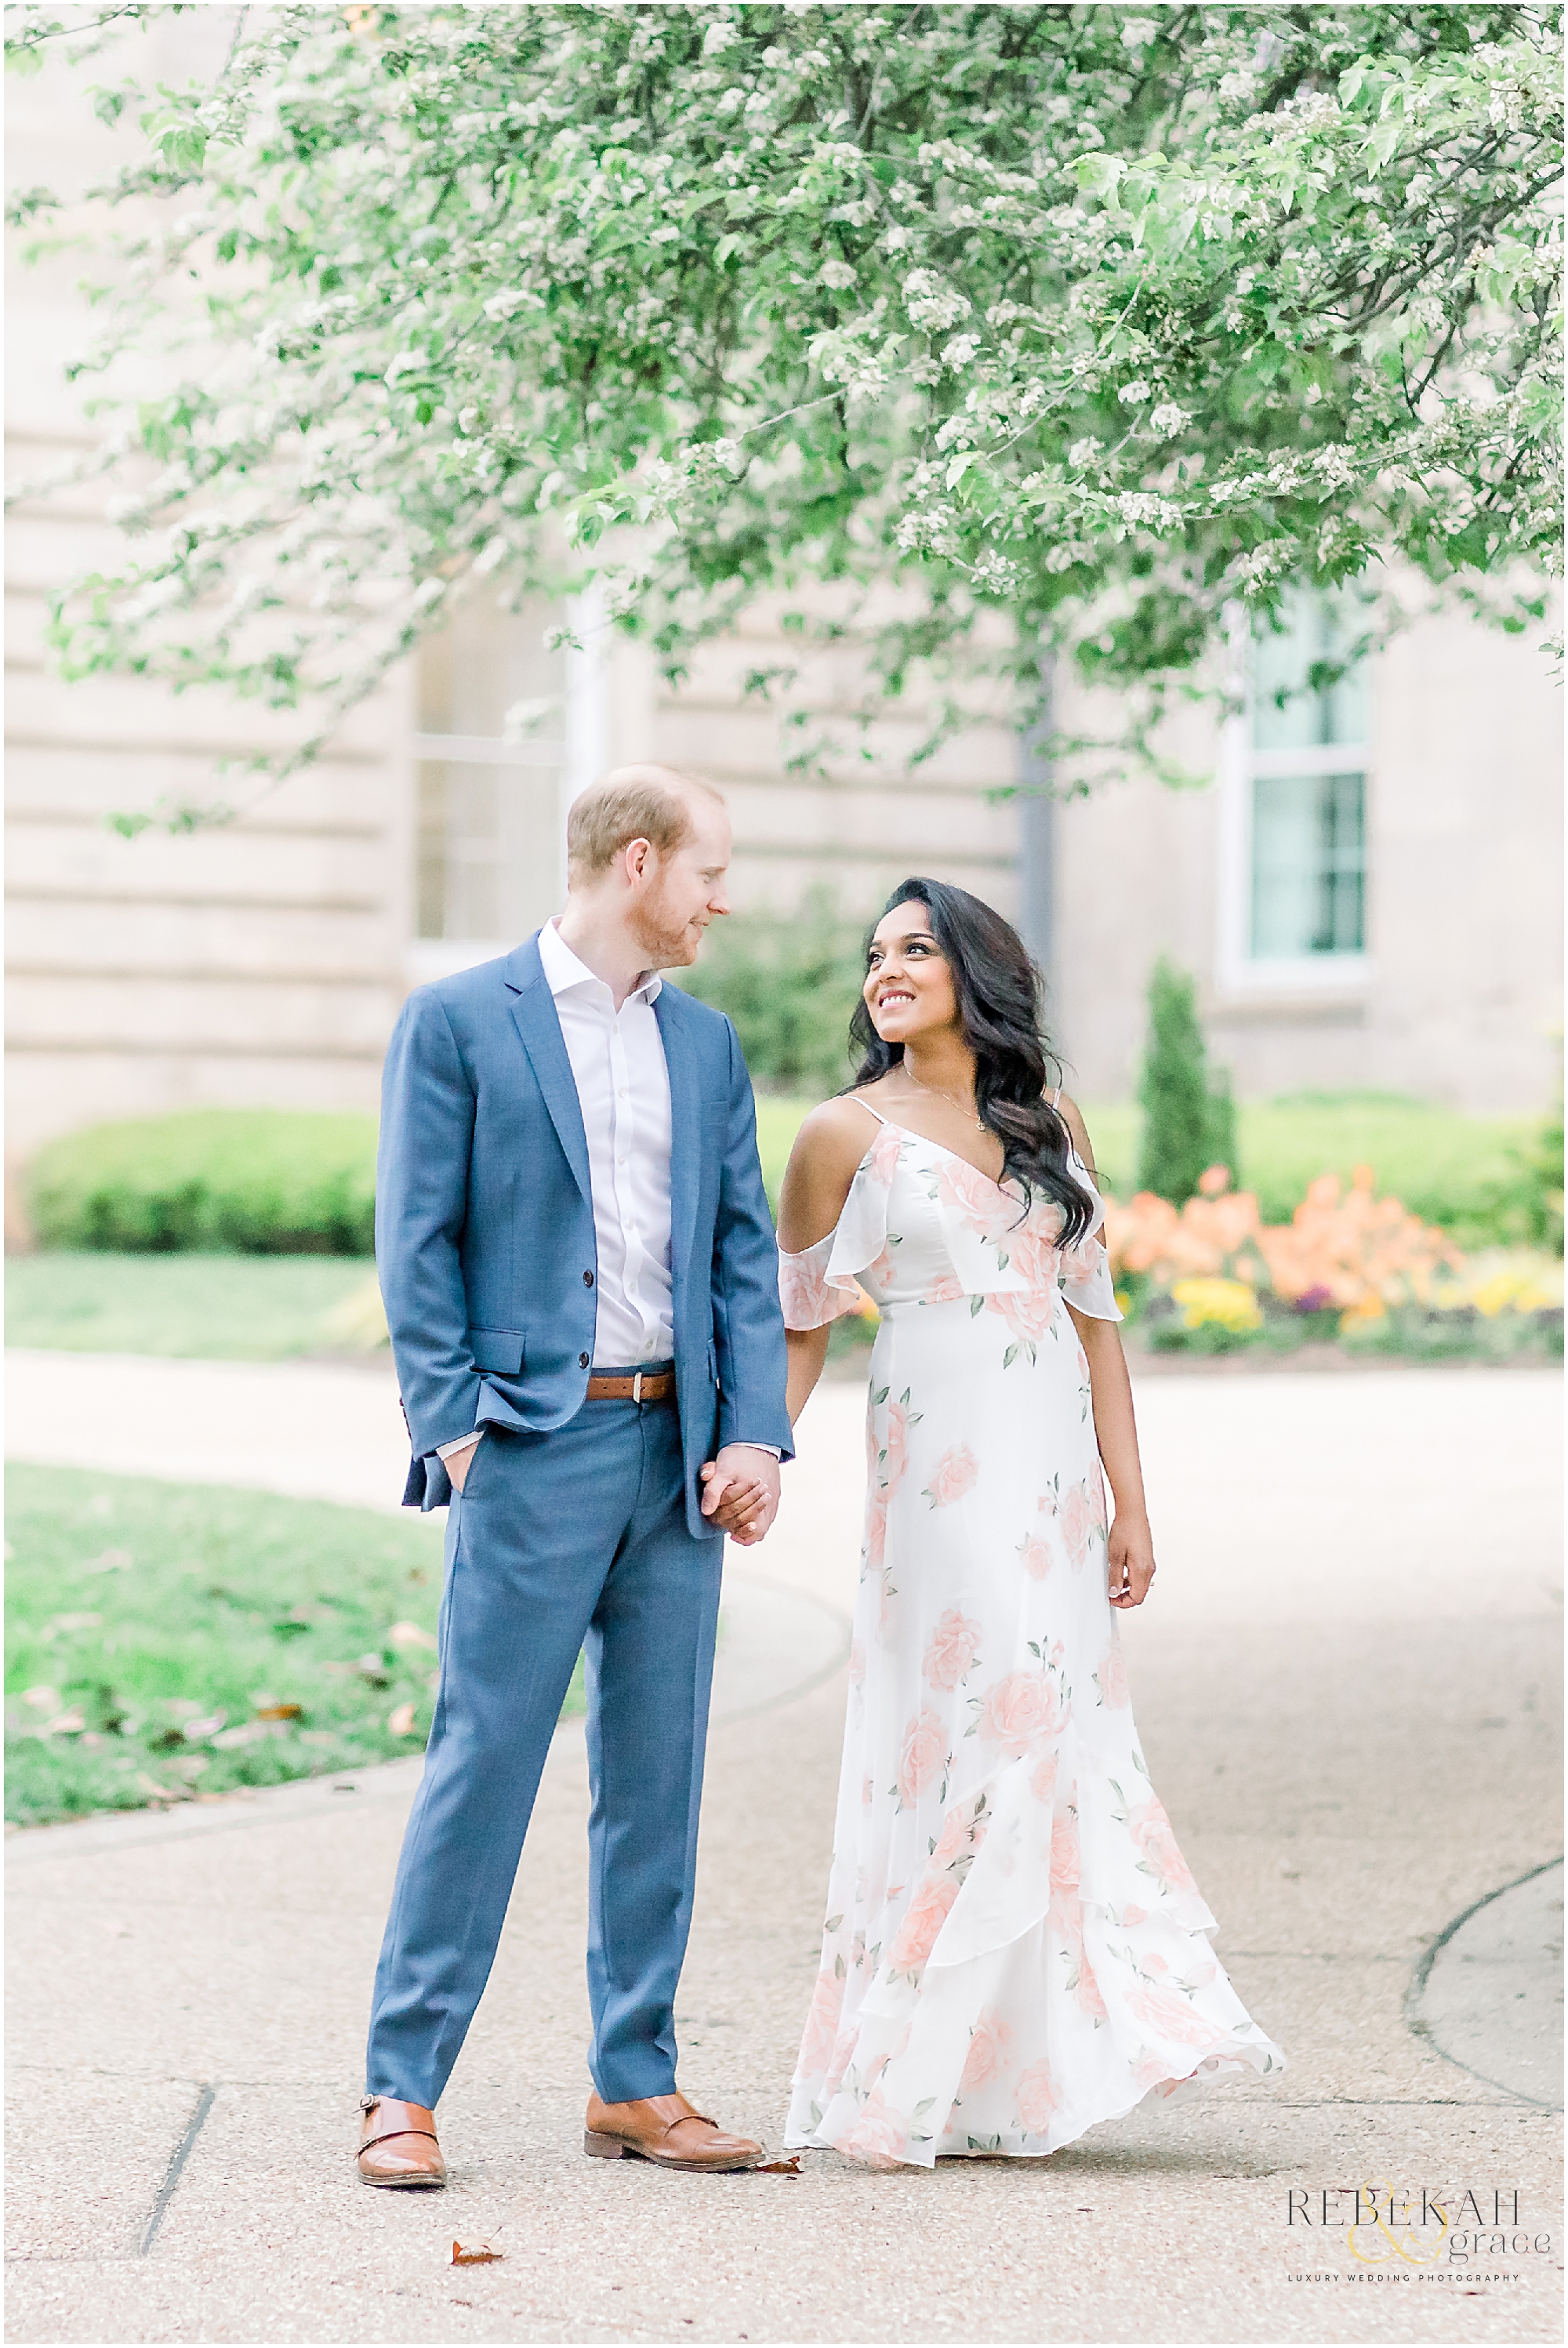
663,937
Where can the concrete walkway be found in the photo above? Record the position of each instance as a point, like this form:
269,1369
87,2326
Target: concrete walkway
1346,1685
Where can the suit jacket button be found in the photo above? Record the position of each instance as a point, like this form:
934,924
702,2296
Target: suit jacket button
587,1279
582,1361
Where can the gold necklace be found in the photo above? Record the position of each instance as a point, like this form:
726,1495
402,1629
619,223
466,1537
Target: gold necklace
967,1108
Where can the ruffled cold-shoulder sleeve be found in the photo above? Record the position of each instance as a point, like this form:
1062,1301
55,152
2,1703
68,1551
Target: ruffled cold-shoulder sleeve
821,1283
1083,1269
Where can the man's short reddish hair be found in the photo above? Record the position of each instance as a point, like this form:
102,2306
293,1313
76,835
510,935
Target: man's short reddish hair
652,803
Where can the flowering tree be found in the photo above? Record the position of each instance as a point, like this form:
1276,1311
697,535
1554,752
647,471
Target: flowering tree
1096,319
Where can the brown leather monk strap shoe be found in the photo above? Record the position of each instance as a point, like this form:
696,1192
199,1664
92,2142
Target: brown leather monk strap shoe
397,2144
665,2129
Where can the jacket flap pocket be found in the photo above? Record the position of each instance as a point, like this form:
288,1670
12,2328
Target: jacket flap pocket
496,1349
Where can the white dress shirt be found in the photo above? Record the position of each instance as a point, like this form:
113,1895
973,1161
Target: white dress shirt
623,1091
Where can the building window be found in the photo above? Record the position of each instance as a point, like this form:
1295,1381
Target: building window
1296,795
490,762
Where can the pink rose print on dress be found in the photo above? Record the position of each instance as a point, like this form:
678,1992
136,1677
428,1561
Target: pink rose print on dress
1077,1521
803,1292
1153,2071
945,1291
923,1755
950,1657
1150,1830
882,1159
1043,1783
1032,1247
1066,1861
1168,2014
1086,1990
923,1920
843,2054
1037,1557
990,2050
1019,1712
1082,1264
962,1833
1130,1916
1027,1312
1113,1684
895,1448
956,1472
1038,2098
986,1210
876,1529
878,2136
821,2024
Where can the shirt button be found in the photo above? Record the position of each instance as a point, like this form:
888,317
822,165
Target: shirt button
582,1361
587,1279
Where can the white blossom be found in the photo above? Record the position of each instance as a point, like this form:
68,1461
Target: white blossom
1167,417
959,351
1133,395
837,276
931,303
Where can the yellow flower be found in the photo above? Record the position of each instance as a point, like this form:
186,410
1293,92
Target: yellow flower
1230,1303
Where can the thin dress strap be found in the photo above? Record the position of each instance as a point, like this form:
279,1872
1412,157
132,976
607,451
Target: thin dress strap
875,1112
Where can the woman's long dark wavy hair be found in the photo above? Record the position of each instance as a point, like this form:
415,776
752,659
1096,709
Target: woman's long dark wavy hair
999,997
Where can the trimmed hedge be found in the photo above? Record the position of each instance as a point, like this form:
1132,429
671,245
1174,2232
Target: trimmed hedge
235,1181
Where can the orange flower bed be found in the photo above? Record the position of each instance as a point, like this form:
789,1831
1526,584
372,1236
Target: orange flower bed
1344,1248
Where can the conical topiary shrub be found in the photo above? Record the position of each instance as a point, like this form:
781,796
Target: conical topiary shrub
1189,1118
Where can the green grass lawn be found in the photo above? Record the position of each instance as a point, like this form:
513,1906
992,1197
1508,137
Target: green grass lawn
257,1308
151,1627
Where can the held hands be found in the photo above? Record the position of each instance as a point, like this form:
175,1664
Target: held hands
1132,1560
741,1492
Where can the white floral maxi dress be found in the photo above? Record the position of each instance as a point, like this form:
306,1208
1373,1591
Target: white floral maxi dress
1013,1947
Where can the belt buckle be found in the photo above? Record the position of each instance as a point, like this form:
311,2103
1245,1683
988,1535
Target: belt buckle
637,1387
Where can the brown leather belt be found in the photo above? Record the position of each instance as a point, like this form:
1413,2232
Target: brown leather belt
635,1385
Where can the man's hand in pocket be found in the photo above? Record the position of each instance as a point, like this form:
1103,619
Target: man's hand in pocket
458,1463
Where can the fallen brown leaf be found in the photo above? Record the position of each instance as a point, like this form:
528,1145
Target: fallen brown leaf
475,2254
408,1634
790,2168
400,1721
279,1711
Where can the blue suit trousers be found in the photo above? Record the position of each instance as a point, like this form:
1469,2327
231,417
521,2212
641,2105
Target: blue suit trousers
574,1540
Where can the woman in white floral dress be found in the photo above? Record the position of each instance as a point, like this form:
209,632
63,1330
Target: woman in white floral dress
1014,1948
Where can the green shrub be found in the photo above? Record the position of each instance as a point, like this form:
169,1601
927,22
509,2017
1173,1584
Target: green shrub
789,984
1188,1118
231,1181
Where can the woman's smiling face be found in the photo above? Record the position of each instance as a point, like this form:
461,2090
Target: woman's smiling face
909,987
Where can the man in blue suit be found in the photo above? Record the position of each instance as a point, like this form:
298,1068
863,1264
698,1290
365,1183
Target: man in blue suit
580,1282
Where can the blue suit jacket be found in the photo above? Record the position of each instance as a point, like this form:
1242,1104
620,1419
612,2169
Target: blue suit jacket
484,1224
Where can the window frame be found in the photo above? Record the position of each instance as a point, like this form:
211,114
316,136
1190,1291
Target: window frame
1242,973
579,752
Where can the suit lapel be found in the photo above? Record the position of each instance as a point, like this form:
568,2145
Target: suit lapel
686,1123
539,1025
